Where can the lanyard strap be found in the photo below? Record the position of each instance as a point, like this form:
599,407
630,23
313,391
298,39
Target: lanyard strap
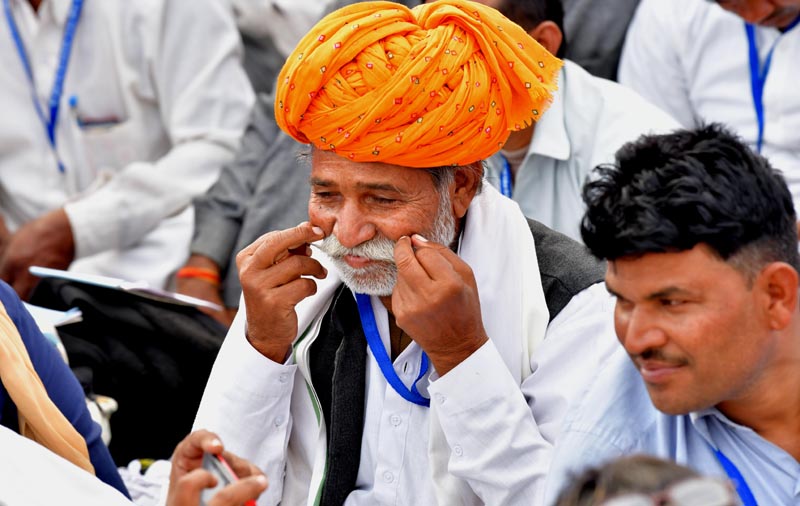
505,177
758,74
382,357
736,477
57,90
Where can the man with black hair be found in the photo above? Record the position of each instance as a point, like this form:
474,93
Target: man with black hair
542,166
729,61
699,236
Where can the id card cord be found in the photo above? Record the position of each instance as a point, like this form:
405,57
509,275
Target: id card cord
382,357
57,90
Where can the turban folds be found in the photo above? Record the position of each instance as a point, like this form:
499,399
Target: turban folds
441,84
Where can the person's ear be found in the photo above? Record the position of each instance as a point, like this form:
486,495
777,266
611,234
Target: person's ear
778,282
549,35
466,184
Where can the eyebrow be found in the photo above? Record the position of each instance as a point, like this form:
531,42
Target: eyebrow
666,292
363,186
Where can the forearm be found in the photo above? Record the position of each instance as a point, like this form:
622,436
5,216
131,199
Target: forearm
255,392
136,199
494,443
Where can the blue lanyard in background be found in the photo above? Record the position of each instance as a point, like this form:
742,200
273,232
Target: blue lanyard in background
384,362
505,178
736,477
57,90
758,75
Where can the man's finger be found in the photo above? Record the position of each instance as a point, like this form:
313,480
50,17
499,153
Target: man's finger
293,268
431,262
187,489
189,453
241,467
280,244
408,266
240,492
272,247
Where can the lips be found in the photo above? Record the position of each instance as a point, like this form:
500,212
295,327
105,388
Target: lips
656,372
357,262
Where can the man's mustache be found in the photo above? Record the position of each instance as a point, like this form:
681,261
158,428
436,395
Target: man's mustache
380,249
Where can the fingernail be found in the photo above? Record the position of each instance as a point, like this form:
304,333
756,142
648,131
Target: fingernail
262,480
316,230
420,238
216,442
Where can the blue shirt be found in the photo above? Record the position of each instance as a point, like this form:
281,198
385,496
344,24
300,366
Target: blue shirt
616,417
62,387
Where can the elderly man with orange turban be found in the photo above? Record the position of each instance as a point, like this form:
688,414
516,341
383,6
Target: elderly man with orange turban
425,350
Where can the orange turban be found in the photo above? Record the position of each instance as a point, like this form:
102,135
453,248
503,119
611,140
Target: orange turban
442,84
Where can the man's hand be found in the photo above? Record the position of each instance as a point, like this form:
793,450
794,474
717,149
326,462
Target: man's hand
271,270
205,289
435,301
45,241
188,479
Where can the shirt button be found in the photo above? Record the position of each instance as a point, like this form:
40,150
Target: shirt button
458,450
396,420
440,398
283,377
388,477
278,421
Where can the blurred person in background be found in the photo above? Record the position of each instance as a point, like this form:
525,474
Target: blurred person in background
41,399
115,115
544,165
642,480
730,61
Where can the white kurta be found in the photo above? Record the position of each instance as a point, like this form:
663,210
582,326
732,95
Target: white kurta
690,57
486,437
589,120
35,476
154,103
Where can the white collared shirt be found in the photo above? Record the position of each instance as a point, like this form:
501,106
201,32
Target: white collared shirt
589,119
154,103
691,58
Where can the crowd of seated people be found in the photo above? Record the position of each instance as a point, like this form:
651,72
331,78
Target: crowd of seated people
445,257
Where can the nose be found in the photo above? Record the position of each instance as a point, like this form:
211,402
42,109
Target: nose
638,330
353,226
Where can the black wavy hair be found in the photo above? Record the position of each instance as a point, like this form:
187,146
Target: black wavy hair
529,13
671,192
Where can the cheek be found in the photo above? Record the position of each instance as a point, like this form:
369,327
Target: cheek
321,216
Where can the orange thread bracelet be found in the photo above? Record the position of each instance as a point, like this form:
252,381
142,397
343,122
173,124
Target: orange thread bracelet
199,272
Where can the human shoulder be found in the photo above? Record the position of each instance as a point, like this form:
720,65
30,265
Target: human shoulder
613,417
566,267
620,113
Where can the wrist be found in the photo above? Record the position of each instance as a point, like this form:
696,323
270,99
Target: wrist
202,273
445,361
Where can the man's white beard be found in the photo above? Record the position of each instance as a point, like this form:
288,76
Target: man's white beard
380,277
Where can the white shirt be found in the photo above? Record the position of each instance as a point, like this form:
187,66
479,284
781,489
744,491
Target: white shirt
284,21
485,439
161,100
589,119
690,57
32,475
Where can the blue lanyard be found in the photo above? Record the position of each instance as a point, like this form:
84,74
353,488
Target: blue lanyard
758,75
384,362
736,477
505,178
57,90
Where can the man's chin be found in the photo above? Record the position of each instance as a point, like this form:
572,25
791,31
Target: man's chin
370,281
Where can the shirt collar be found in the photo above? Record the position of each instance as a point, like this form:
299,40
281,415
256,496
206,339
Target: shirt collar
550,137
700,421
59,9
